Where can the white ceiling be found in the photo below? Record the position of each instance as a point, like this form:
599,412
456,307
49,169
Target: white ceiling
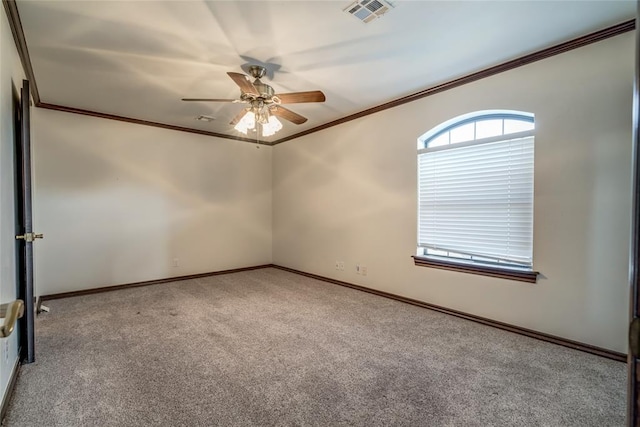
139,58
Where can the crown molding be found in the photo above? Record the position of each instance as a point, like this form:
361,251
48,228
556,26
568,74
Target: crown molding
21,44
91,113
15,24
581,41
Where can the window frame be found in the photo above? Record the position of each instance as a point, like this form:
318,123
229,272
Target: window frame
472,118
506,271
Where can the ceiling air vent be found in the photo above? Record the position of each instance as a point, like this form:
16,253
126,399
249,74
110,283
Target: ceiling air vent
368,10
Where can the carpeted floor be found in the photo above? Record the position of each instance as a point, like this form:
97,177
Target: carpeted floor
268,347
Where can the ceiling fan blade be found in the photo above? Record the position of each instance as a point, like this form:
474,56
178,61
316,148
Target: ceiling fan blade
280,111
238,117
296,97
245,85
209,99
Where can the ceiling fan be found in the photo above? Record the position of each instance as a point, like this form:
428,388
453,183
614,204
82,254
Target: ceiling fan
263,103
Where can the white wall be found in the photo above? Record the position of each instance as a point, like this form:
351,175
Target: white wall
348,194
118,202
11,75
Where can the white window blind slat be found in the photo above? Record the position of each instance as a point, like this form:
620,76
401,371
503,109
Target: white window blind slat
478,200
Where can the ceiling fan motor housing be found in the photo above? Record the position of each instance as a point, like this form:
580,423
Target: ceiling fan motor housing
264,90
257,72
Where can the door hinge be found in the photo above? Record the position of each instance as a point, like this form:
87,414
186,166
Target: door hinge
634,337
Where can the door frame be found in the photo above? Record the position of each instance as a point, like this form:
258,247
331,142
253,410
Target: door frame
24,224
633,357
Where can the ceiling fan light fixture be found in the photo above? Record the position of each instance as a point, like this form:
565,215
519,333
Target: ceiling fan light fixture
271,127
262,101
248,121
262,116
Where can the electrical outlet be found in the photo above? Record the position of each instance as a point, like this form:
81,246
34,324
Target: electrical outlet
363,270
341,265
176,263
337,265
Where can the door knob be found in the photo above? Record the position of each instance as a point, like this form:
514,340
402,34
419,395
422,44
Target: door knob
11,312
30,237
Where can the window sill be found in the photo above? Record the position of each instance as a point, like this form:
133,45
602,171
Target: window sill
483,270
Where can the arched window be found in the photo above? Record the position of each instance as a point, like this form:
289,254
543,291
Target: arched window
475,190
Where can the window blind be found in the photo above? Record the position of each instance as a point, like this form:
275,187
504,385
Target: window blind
477,200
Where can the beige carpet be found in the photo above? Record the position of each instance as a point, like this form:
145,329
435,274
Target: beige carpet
272,348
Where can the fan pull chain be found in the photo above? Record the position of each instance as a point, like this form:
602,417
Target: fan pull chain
258,137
